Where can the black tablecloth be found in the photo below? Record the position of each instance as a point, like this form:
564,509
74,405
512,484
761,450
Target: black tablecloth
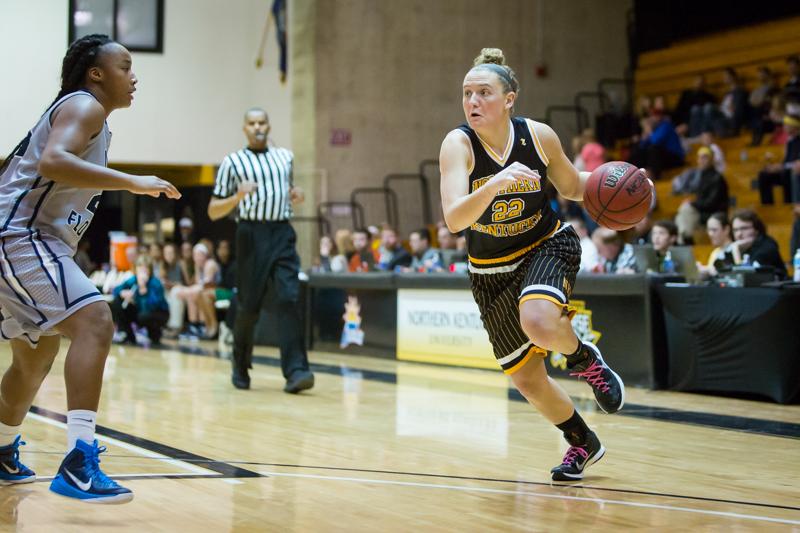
733,340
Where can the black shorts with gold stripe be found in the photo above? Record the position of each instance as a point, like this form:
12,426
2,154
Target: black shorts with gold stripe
545,272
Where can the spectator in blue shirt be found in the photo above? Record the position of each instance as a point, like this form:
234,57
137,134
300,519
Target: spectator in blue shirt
424,258
660,147
140,300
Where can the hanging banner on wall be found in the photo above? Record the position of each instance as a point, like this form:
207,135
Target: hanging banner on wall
442,326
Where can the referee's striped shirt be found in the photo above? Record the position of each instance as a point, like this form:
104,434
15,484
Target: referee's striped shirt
271,170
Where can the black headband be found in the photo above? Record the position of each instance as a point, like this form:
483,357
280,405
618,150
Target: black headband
501,71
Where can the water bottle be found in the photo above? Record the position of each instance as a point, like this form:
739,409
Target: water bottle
668,266
746,260
796,264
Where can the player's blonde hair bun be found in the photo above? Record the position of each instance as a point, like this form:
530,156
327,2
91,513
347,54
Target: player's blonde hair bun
490,56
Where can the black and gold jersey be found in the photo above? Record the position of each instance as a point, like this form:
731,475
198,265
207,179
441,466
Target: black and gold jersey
519,217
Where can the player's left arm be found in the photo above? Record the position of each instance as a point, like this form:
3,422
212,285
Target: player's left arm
568,181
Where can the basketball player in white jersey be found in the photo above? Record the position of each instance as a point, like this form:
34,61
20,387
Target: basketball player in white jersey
50,187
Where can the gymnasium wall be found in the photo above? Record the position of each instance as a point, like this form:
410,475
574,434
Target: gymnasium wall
191,98
391,74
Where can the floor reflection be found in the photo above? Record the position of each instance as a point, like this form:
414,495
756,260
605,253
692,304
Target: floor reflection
470,413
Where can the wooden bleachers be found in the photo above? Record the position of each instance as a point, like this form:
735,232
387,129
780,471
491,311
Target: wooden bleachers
668,71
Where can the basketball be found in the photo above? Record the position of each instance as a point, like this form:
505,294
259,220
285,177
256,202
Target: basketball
618,195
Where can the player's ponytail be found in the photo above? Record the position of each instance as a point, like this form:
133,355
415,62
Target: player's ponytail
493,59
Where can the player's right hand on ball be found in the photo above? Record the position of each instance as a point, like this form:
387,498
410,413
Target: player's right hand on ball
515,173
155,187
245,188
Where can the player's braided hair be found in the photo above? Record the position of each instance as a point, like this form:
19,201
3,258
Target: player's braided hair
80,57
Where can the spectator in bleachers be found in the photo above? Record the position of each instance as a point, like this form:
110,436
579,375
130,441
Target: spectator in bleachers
202,319
711,195
733,107
374,239
227,273
117,274
461,243
577,159
725,253
423,257
593,153
589,256
761,103
209,244
616,257
664,236
448,247
140,300
660,147
186,231
792,87
777,113
187,261
363,258
447,240
156,254
707,140
727,119
329,258
761,95
391,254
589,154
783,173
640,233
343,239
753,242
696,97
173,276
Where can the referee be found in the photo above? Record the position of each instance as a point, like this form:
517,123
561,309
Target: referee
258,182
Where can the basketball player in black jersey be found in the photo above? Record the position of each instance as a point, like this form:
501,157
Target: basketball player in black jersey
522,260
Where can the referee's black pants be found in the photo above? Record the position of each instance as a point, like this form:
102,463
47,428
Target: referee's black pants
265,253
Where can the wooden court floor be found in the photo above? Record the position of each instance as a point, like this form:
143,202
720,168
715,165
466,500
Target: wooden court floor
385,446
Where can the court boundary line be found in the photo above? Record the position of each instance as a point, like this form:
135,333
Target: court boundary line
766,427
501,480
535,494
169,453
525,482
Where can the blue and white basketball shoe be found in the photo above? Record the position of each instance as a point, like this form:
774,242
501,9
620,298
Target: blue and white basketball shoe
80,477
11,470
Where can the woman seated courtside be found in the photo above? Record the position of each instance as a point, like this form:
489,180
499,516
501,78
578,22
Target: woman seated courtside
202,316
725,253
140,300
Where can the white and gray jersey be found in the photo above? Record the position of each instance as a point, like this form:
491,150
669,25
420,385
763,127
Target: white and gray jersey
51,216
271,170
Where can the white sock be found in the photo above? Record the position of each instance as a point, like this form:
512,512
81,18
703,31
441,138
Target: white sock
80,425
8,434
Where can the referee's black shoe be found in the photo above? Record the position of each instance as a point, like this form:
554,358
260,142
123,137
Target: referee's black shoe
299,381
240,379
609,390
